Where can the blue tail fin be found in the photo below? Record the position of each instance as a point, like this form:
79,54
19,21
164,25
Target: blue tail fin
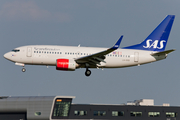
157,40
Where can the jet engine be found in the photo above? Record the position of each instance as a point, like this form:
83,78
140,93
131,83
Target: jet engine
66,64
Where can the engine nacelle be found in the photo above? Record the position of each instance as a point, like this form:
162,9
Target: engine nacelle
66,64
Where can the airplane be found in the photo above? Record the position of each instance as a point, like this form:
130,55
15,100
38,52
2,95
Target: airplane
69,58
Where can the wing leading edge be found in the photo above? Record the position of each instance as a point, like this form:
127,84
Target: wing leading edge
98,57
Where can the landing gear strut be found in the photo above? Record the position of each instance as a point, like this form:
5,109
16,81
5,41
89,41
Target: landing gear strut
88,72
23,69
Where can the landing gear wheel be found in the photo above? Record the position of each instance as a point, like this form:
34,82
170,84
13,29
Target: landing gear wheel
88,73
23,69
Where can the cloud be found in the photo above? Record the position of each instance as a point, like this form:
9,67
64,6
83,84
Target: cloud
29,11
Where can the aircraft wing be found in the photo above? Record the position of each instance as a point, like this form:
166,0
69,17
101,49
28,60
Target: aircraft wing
96,58
163,52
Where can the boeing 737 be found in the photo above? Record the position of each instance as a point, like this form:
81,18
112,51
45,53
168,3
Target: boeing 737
69,58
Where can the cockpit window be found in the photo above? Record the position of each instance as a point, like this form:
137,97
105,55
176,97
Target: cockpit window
15,50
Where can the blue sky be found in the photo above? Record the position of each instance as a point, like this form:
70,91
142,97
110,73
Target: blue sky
97,23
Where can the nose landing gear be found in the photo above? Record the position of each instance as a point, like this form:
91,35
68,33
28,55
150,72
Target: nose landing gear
23,69
21,64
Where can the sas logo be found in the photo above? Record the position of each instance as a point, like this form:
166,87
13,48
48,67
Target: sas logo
154,44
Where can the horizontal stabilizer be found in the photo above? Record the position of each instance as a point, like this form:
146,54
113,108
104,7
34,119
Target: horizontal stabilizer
163,52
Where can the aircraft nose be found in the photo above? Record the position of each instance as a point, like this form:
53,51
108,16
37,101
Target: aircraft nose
6,55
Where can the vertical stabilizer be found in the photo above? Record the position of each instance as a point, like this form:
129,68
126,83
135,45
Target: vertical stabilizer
157,40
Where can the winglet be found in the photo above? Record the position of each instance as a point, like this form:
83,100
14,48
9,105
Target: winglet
116,46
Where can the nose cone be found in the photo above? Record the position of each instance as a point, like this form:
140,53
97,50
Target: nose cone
7,56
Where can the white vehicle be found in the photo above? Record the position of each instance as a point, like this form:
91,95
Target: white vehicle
70,58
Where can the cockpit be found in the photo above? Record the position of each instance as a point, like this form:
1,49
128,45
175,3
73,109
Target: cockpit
16,50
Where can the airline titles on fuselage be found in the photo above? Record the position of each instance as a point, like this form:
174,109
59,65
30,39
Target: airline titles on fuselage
52,49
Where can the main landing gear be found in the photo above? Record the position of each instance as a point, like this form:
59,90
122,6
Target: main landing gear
88,72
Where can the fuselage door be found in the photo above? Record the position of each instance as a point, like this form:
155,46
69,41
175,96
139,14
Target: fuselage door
136,57
29,52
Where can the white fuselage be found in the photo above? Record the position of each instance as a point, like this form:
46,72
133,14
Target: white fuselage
48,54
